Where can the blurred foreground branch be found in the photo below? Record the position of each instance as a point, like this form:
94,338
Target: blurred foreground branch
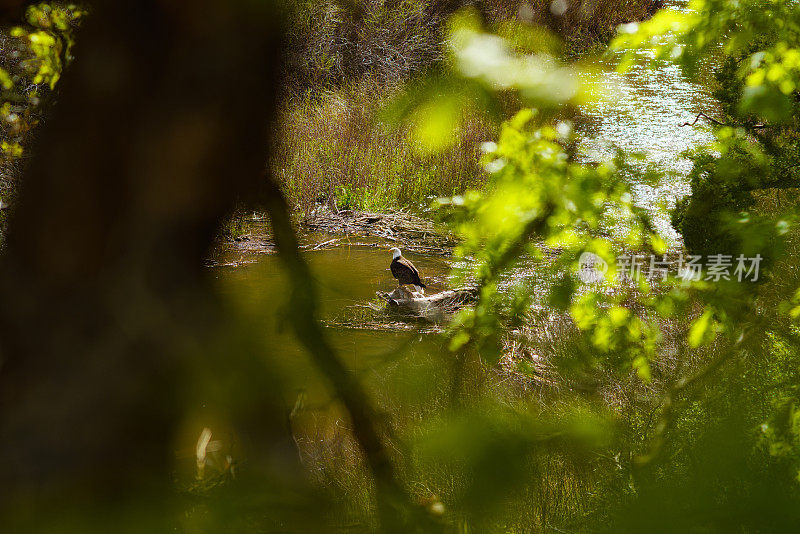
394,503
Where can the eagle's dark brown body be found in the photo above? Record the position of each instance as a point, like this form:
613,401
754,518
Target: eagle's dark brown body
405,272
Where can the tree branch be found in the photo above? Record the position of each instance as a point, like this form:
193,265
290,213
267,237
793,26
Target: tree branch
394,503
669,405
719,123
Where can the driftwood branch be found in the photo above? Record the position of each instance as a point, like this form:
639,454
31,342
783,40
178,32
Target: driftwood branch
430,307
719,123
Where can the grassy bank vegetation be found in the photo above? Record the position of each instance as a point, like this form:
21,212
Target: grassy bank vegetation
335,151
346,63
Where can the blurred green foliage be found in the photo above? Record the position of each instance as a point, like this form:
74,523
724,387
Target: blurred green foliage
41,49
624,405
34,56
551,405
704,460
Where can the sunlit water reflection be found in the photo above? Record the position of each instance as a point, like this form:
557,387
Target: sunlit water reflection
643,113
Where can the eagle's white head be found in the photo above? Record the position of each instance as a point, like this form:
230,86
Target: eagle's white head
395,253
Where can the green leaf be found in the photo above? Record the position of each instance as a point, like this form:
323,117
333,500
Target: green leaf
702,330
5,79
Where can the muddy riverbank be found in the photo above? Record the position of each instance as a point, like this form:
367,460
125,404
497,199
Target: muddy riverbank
326,229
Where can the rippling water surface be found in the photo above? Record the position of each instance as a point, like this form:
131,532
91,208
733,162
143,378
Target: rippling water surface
644,113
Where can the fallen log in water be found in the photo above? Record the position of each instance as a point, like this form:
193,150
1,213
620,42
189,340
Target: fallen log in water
411,300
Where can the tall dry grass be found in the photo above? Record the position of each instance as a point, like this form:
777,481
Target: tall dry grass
347,62
335,150
334,42
581,24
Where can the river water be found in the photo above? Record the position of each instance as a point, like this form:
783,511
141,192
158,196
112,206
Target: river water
644,115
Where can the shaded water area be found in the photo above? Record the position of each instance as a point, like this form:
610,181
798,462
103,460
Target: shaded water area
348,271
371,341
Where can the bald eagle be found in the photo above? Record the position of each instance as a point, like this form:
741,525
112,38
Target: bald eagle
404,270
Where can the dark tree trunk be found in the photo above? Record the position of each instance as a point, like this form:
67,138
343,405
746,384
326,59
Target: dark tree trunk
162,125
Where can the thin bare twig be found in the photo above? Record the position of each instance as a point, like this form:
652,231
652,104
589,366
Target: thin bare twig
718,123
